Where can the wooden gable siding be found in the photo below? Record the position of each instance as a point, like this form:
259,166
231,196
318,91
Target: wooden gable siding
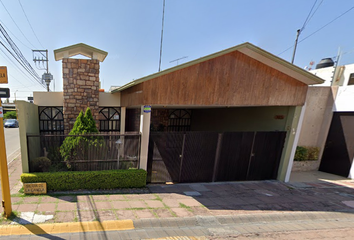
233,79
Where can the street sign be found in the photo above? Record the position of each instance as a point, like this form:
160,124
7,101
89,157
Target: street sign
4,92
3,75
147,108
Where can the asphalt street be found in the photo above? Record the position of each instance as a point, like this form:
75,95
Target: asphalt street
12,142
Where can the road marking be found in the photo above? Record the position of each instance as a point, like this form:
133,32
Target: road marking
71,227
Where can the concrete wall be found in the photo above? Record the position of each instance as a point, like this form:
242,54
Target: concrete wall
239,119
109,99
29,124
318,116
49,99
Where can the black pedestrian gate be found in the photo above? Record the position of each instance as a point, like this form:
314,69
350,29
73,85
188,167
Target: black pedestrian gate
338,153
211,156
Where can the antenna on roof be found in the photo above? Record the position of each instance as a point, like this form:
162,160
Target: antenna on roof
176,60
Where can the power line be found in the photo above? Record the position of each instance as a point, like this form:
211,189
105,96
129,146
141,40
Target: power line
317,30
18,56
30,23
307,18
14,64
16,24
14,35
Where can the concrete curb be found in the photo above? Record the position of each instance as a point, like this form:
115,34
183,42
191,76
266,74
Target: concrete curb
243,219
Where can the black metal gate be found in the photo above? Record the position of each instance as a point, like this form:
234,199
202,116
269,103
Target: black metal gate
211,156
338,153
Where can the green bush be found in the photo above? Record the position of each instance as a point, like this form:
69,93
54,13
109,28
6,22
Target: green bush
76,147
110,179
40,164
306,153
10,115
312,153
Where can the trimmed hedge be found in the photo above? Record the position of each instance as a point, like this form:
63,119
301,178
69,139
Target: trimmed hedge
93,180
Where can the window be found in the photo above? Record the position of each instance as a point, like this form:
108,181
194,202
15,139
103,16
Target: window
351,79
51,120
179,120
109,118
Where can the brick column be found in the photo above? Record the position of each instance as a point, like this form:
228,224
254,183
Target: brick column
80,87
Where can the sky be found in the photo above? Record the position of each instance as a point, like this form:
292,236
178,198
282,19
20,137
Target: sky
130,31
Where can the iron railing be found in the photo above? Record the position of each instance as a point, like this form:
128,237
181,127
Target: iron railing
91,152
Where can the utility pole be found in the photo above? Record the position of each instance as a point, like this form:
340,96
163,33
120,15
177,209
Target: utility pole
297,38
4,173
46,77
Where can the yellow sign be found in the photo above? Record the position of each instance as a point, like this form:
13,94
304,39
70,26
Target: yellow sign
35,188
3,75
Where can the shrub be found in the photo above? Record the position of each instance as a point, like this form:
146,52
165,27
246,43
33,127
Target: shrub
312,153
110,179
10,115
40,164
306,153
76,147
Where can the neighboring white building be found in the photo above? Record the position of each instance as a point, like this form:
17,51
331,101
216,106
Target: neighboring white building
343,77
329,118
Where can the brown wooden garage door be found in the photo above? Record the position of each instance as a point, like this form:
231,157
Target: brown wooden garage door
211,156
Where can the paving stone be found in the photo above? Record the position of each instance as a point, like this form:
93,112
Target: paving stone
199,187
117,197
31,199
182,212
192,193
172,196
49,200
16,200
100,197
84,216
189,202
170,202
84,198
146,213
64,216
137,204
67,199
126,214
106,215
163,213
84,206
154,203
201,211
66,206
102,205
120,204
46,207
27,208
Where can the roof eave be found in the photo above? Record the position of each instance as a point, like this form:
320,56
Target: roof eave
250,50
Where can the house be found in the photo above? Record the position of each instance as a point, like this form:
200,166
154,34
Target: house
232,115
329,118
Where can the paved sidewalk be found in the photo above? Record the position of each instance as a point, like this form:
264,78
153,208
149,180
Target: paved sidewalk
178,204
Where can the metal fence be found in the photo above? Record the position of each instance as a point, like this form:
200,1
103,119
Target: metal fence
88,152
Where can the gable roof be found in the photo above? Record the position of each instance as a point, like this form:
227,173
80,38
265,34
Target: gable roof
249,50
80,48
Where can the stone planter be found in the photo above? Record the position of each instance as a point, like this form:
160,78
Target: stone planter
305,166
